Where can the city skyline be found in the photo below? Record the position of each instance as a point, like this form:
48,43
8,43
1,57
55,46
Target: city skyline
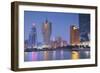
56,36
60,23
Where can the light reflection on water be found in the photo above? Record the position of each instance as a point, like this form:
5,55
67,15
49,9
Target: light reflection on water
54,55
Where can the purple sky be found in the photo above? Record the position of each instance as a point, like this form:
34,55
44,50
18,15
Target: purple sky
60,23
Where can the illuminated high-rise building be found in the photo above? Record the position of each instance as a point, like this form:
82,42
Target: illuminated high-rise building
33,36
74,35
46,31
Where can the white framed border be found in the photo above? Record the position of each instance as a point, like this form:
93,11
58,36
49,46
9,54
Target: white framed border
33,64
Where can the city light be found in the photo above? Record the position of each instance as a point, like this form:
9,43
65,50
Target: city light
45,40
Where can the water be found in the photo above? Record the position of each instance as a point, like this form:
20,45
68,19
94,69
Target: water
55,55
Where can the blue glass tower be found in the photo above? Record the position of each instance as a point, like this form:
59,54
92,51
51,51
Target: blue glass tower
84,27
33,36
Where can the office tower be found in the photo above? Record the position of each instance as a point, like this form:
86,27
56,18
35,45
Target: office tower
74,35
84,27
46,31
33,36
64,43
53,44
59,41
25,44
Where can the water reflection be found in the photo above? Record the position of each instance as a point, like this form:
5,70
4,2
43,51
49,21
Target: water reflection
55,55
75,54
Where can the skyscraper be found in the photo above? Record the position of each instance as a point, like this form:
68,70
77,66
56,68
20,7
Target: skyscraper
33,36
84,27
25,44
46,31
74,35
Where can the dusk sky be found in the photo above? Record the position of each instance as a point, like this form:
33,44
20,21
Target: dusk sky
60,23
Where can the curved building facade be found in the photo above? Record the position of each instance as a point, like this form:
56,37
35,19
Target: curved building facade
46,31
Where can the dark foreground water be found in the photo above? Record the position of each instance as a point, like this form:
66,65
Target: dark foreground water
56,55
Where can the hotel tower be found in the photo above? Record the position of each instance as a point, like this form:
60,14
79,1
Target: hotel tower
46,31
74,35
